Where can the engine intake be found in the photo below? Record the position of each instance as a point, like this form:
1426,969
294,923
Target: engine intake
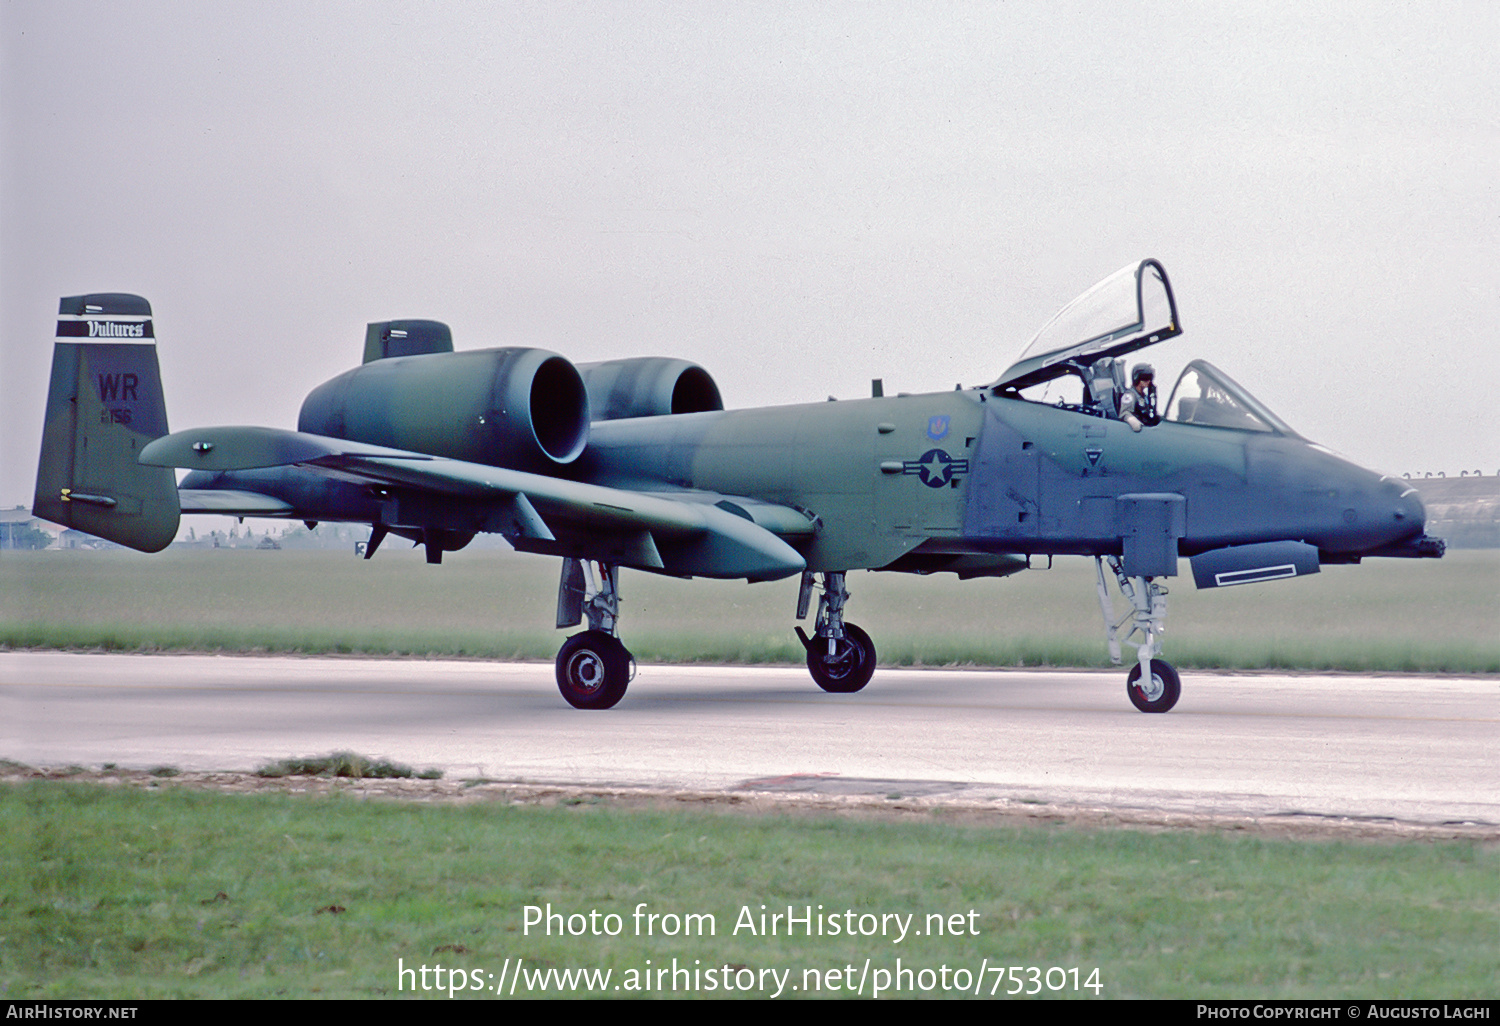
648,386
526,409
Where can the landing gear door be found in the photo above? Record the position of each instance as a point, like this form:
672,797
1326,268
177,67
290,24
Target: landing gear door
1131,309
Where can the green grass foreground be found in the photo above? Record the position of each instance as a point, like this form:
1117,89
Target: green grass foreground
1437,616
122,892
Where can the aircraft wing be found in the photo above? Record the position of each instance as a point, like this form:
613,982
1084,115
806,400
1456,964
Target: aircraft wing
665,532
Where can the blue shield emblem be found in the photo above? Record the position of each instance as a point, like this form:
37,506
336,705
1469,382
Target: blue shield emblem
937,428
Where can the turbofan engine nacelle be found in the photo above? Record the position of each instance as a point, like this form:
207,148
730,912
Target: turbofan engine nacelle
526,409
648,386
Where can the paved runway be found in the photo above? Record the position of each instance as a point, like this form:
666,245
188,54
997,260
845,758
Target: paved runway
1423,749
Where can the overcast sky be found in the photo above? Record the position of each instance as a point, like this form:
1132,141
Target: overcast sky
801,197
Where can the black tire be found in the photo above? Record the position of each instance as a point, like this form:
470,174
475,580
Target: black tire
1163,677
593,670
851,666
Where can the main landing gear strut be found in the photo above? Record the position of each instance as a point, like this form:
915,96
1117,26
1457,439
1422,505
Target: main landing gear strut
593,668
840,656
1153,684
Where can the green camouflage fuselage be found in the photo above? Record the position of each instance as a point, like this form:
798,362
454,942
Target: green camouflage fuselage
1014,477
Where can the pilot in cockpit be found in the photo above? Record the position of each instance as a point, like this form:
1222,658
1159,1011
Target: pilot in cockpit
1138,404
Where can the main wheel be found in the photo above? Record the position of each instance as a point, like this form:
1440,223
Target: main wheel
1162,692
593,669
851,665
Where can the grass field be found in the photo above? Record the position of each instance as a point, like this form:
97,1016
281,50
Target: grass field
124,892
166,892
1385,615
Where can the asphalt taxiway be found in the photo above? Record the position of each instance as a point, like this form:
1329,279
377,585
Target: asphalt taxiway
1415,749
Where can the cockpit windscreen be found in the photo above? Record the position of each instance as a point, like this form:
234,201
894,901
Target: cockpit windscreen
1207,396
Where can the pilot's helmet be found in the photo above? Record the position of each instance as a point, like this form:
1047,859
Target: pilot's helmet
1142,370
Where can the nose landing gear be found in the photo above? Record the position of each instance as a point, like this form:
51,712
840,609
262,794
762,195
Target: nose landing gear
1153,685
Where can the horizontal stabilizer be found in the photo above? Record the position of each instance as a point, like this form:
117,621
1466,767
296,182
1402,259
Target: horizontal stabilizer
232,502
251,448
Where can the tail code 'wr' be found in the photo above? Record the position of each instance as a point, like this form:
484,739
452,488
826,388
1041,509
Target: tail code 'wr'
117,386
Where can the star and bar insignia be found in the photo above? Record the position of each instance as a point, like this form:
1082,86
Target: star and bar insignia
936,468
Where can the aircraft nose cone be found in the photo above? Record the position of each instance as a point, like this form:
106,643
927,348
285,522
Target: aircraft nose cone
1391,512
1405,510
1363,511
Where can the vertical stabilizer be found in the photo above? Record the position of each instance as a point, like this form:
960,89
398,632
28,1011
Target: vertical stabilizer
103,405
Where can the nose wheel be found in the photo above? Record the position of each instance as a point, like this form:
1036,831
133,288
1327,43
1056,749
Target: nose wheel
1158,694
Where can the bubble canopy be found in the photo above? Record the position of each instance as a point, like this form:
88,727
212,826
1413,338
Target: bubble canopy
1131,309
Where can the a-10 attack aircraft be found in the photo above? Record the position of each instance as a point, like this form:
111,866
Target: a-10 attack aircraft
635,463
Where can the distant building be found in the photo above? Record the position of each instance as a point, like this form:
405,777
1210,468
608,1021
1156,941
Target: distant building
71,539
1463,511
20,530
